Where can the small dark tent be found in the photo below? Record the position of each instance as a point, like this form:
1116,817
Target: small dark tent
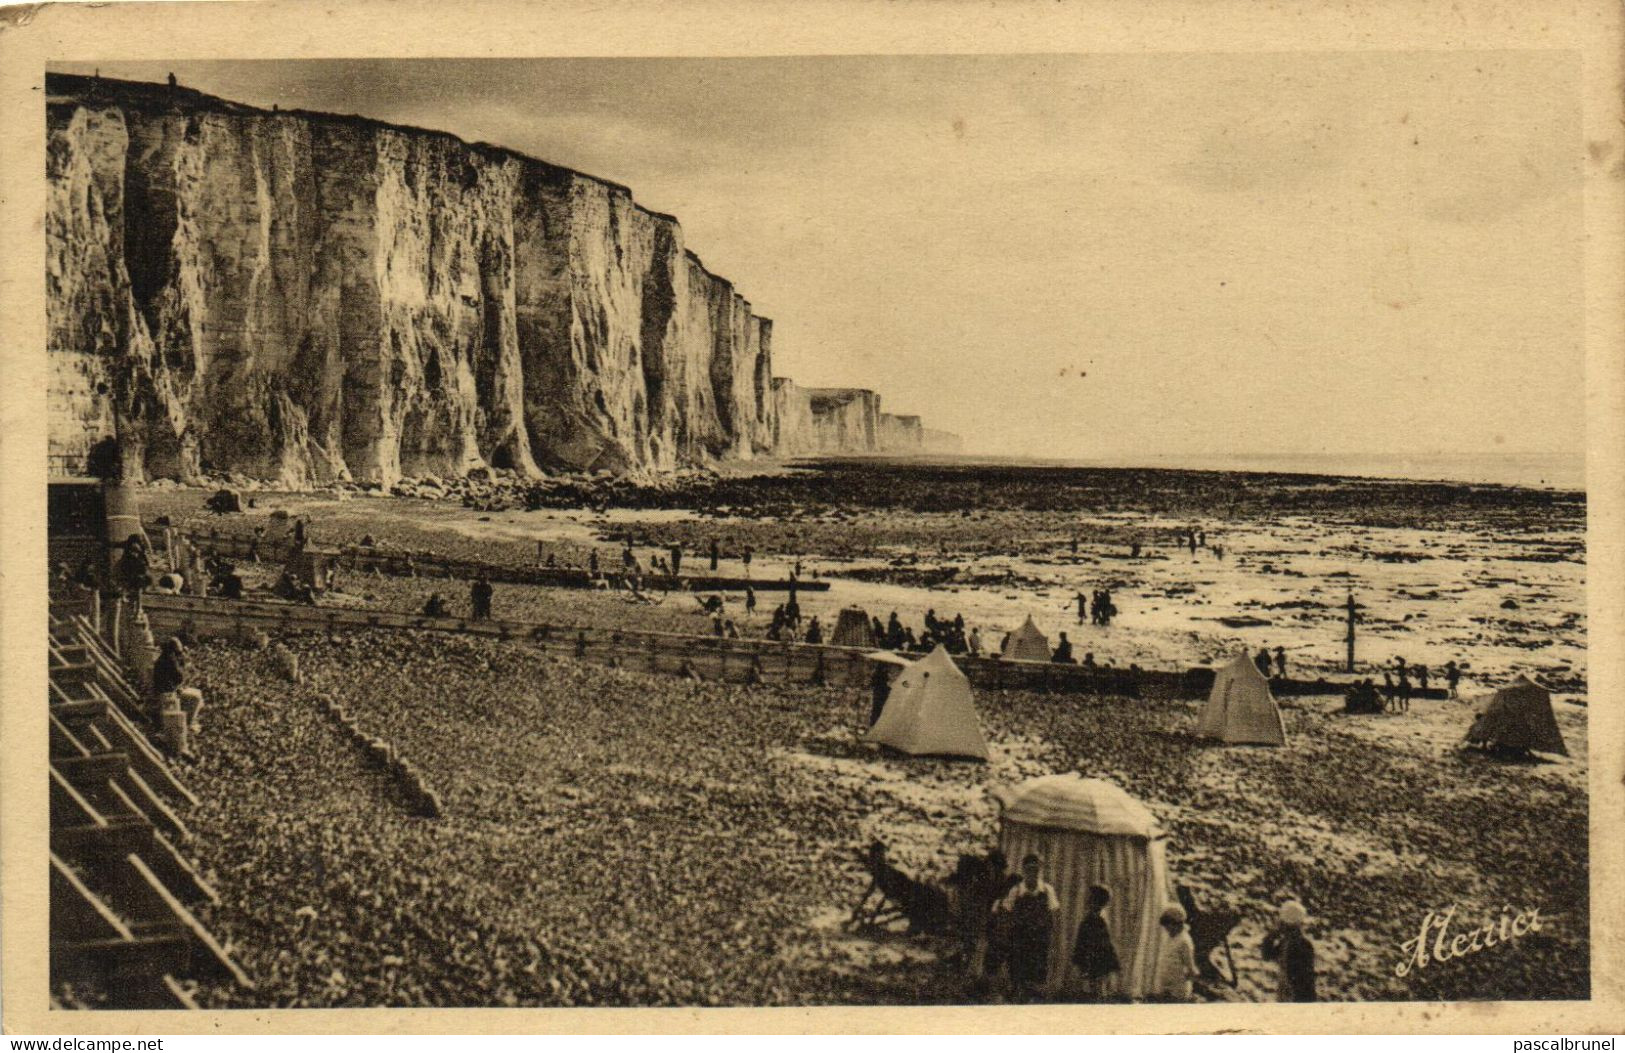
853,629
1519,716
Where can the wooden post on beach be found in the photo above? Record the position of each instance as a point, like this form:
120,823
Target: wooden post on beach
1350,637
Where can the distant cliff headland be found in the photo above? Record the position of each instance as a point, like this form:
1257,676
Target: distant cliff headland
302,298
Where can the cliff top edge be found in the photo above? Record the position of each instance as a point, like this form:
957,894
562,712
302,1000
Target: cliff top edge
149,97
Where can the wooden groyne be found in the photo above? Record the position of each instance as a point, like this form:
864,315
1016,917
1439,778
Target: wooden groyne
709,657
367,560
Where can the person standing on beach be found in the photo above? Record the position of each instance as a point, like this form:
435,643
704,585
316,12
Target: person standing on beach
134,568
1092,951
1452,676
1287,945
1083,608
1262,660
976,641
1030,908
480,598
749,552
1280,661
592,563
1176,959
716,554
983,884
1404,691
750,602
1421,677
879,691
676,559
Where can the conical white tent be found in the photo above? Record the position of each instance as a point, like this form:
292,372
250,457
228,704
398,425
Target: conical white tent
1519,716
931,712
1026,644
1090,832
1240,708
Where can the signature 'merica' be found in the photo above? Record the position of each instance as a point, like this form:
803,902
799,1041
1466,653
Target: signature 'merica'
1419,952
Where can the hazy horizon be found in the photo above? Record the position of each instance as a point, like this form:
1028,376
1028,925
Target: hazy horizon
1093,256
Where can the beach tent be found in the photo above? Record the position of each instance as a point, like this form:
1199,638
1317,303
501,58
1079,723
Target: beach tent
1089,832
1518,716
1026,644
1240,708
313,567
853,629
930,711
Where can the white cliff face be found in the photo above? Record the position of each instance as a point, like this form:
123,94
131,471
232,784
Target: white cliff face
901,433
811,421
301,298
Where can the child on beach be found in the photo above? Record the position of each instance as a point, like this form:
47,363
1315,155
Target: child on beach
1092,951
1287,945
1176,960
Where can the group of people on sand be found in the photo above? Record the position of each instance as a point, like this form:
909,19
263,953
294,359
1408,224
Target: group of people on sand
1097,608
893,635
1264,660
784,624
669,561
1394,696
1007,926
480,596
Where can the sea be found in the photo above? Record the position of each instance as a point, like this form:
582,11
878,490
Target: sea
1543,471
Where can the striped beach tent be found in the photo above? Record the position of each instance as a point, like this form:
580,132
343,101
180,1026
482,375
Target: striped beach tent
1090,832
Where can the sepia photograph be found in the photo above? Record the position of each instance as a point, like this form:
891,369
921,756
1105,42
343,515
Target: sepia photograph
1092,529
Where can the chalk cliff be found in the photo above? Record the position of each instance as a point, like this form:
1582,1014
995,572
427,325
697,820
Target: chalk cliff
304,297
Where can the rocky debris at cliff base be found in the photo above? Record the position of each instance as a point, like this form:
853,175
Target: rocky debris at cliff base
502,491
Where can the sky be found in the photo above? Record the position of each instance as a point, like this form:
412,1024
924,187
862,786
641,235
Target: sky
1088,256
